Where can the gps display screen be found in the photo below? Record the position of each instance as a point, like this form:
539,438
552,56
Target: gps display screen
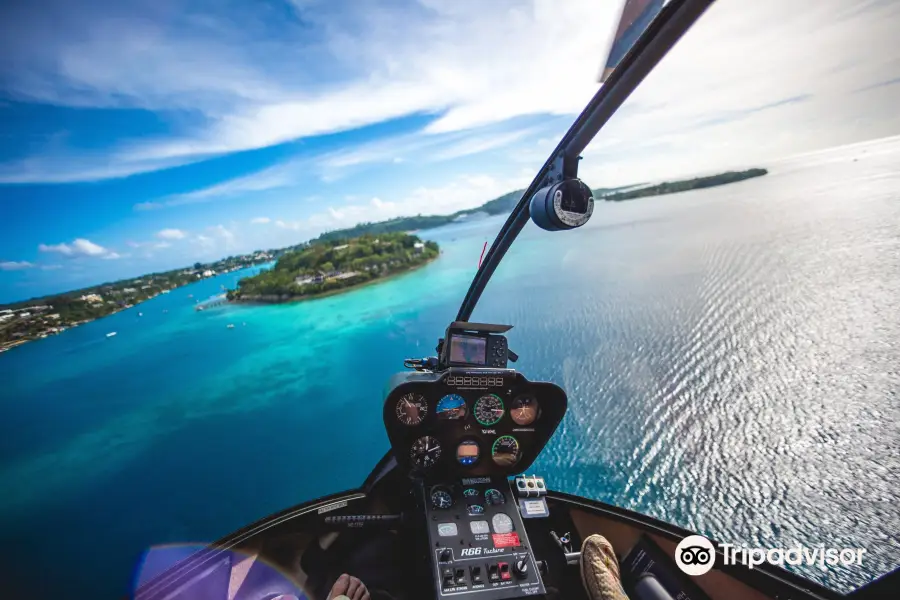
467,349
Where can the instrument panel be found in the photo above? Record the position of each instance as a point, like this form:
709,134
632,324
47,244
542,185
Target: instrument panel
467,422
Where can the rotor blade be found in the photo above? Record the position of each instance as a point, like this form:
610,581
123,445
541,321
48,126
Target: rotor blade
636,16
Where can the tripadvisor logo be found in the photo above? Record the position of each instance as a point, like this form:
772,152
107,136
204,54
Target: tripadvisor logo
696,555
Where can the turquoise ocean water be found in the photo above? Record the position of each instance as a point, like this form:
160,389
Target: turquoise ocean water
730,354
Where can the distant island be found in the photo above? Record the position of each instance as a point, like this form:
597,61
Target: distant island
49,315
673,187
326,267
505,203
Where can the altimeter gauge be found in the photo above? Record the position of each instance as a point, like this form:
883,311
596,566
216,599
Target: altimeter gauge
411,409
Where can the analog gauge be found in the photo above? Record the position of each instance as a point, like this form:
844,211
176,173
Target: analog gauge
452,406
425,451
494,496
524,410
502,523
467,452
505,451
475,509
470,493
441,498
489,409
411,409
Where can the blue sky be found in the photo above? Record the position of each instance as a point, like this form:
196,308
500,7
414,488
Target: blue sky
146,135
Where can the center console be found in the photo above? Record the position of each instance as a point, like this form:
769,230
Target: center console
459,428
478,544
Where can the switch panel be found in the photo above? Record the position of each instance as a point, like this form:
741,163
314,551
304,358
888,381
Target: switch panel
483,551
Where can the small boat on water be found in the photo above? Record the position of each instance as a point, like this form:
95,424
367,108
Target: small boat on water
230,326
111,334
140,314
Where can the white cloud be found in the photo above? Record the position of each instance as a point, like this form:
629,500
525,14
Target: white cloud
463,192
429,148
278,176
292,225
171,234
151,244
751,80
260,220
218,240
254,89
15,265
204,240
80,247
61,248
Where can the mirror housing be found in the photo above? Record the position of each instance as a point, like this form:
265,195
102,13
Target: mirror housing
561,206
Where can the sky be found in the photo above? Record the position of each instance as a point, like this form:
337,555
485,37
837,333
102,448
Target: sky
144,135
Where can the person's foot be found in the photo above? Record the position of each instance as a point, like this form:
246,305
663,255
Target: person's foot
348,587
600,570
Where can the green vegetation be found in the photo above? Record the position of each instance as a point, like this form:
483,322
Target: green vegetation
323,267
49,315
672,187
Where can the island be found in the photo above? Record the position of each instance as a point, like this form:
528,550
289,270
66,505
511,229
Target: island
326,267
327,272
673,187
41,317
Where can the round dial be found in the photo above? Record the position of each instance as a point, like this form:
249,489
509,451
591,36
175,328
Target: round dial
505,451
470,493
452,406
502,523
467,452
441,498
493,496
524,410
489,409
475,509
411,409
425,451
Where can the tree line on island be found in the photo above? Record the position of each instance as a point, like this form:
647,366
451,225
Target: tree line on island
324,267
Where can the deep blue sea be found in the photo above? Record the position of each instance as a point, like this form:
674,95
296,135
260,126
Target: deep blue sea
732,357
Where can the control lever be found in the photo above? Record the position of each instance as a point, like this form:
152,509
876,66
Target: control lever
363,521
564,542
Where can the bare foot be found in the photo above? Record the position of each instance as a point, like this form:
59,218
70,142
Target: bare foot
348,586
